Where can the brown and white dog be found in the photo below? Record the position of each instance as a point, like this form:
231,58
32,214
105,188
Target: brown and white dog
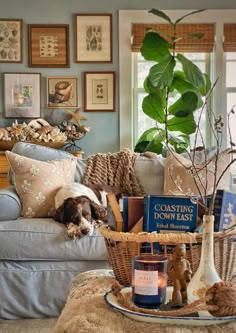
81,208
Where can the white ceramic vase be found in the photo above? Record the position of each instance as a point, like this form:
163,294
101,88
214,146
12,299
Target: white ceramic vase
206,274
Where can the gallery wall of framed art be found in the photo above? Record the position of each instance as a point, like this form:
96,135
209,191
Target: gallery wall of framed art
48,55
49,47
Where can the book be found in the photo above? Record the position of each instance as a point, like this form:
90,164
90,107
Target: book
112,202
132,211
224,210
170,213
138,227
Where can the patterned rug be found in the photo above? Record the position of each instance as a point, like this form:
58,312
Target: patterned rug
86,311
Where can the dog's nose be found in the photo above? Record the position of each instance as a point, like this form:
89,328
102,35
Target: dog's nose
85,231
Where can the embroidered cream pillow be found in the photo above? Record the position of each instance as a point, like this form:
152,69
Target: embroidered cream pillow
178,178
37,182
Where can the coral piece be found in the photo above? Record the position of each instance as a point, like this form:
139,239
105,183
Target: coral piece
37,123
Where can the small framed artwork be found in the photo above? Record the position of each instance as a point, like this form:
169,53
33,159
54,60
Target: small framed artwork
93,38
11,40
62,92
99,91
22,95
48,45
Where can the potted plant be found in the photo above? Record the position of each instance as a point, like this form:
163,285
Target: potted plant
175,89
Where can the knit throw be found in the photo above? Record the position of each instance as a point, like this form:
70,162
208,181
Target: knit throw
114,169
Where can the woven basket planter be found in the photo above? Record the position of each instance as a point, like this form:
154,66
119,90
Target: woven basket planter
122,246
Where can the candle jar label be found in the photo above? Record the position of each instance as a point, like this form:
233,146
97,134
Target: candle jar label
145,283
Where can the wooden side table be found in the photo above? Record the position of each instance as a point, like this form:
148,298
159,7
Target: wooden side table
4,166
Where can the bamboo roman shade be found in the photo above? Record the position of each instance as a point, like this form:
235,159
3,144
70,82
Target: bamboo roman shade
230,37
205,44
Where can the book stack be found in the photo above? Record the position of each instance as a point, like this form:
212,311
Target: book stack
131,217
153,213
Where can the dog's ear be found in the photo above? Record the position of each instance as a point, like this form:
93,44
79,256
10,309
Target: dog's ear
57,214
98,212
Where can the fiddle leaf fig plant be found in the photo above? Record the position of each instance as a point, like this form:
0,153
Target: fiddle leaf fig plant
175,89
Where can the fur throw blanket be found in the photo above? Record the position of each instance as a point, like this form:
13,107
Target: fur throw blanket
114,169
86,312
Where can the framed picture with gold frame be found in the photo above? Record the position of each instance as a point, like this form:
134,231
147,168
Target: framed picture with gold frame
11,40
99,91
93,38
48,45
62,92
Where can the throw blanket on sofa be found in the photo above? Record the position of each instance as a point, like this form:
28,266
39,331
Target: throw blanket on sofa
114,169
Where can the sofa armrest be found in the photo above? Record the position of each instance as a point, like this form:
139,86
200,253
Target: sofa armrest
10,205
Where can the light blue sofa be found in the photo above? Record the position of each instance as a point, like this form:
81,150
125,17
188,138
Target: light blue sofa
37,259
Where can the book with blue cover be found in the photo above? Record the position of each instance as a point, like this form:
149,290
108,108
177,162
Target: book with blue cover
170,213
224,210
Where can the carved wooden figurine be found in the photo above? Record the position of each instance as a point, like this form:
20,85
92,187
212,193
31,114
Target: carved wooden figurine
179,271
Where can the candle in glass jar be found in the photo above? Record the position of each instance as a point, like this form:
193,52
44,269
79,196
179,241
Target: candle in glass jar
149,280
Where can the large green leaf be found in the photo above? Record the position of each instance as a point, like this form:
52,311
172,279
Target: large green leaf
149,88
153,107
145,139
179,142
191,13
186,104
186,125
161,14
192,72
193,36
140,147
182,86
206,88
161,75
148,135
154,47
155,145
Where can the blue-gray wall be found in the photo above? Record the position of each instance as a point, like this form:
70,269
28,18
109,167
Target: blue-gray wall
104,134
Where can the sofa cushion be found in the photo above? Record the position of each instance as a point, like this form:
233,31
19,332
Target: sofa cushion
45,239
10,205
37,182
43,153
150,173
179,179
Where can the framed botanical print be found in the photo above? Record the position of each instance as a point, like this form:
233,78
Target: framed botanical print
48,45
22,95
93,38
99,91
62,92
11,40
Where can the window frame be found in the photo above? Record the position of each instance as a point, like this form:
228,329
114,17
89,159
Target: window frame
126,18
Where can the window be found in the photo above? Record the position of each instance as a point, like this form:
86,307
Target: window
220,64
140,70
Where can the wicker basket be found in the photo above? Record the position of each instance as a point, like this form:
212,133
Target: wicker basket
122,246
